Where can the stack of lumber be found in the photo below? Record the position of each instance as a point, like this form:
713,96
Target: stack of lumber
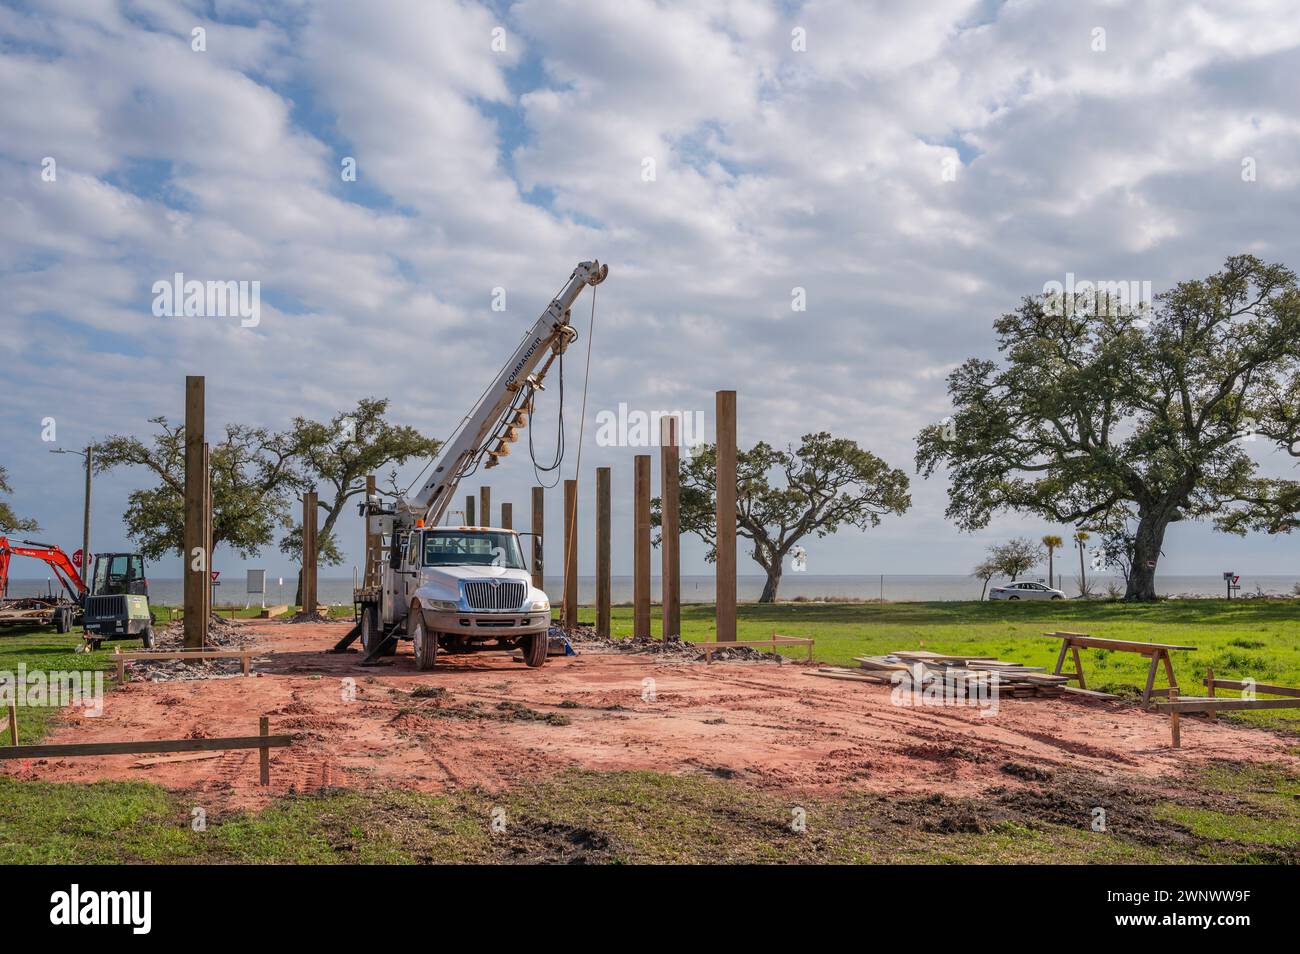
1014,680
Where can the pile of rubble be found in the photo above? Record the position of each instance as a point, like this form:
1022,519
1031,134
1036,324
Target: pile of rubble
676,648
317,617
222,634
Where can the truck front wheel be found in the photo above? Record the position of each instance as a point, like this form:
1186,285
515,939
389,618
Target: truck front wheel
423,643
535,648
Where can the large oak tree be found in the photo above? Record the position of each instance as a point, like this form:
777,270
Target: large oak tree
783,496
1105,416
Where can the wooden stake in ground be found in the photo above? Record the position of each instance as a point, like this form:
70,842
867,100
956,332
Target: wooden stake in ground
264,754
507,516
604,551
726,516
539,528
485,505
570,606
469,512
641,546
13,724
669,536
196,557
309,552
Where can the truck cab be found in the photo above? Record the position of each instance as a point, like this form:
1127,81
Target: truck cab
462,589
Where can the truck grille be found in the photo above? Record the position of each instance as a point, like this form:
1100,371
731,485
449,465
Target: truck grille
504,595
105,607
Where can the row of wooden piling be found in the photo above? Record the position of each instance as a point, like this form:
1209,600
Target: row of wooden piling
670,533
198,531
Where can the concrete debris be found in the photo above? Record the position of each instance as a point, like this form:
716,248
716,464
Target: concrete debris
585,637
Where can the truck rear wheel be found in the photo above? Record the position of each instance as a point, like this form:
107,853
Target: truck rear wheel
535,648
423,643
372,632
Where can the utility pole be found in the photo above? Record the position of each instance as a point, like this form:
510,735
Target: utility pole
88,454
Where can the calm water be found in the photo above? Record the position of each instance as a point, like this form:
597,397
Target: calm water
699,589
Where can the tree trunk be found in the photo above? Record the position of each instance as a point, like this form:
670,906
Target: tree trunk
985,590
773,581
1147,542
1083,576
1051,568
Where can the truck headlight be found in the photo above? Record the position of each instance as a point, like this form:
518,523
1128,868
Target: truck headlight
540,605
445,606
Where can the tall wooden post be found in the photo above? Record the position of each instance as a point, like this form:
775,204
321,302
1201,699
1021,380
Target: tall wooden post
485,505
726,516
374,542
309,552
196,558
641,545
469,511
209,589
570,612
604,552
670,579
507,516
539,545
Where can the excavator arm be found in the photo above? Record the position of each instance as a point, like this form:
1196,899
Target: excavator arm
54,556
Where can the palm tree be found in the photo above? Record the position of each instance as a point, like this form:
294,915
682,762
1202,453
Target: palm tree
1051,541
1081,538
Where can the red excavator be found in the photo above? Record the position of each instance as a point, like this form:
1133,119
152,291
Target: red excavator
57,608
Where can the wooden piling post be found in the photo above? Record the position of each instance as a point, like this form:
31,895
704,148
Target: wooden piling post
485,505
309,552
604,551
1175,720
209,588
196,557
13,724
469,512
374,542
264,753
670,579
539,529
1209,691
570,611
507,516
725,491
641,546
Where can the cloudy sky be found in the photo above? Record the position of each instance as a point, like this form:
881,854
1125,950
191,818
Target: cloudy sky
914,167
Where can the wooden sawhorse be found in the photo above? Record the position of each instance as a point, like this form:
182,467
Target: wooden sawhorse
1159,653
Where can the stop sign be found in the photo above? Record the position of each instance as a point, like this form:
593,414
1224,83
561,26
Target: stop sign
76,559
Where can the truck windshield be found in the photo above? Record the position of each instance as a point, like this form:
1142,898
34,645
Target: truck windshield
480,548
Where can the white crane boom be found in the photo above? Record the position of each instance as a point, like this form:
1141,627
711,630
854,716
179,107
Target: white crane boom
510,395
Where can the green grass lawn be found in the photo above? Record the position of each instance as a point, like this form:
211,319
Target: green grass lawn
620,817
1259,638
1228,813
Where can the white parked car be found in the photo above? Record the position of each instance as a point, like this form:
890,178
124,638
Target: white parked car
1025,590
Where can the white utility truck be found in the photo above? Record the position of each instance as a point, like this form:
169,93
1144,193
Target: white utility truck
462,588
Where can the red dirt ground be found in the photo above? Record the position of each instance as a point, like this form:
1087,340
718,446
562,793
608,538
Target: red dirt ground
769,726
